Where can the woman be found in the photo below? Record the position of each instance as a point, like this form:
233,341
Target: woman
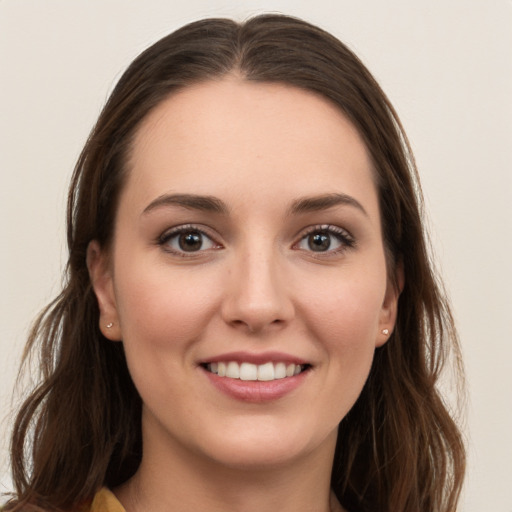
250,320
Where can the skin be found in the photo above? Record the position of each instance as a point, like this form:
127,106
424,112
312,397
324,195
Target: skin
255,285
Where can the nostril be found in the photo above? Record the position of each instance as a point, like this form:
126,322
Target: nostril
255,326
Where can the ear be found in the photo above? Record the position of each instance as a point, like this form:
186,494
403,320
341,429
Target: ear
389,310
100,274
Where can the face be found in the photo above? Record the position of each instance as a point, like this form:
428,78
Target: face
247,277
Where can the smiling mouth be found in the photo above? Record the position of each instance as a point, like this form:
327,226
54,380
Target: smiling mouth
255,372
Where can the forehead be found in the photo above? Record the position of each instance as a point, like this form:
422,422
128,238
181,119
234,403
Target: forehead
233,132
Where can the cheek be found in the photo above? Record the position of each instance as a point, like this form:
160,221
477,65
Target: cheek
162,315
349,335
343,316
163,308
346,311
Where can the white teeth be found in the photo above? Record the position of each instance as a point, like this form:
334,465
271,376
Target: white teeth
248,371
266,371
280,371
233,370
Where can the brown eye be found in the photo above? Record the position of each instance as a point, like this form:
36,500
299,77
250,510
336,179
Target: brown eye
326,239
186,240
190,242
319,242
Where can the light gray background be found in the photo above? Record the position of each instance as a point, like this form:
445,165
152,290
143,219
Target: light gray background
446,66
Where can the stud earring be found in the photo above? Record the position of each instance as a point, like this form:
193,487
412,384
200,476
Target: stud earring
385,332
109,325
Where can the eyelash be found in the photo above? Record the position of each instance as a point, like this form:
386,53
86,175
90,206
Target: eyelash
345,239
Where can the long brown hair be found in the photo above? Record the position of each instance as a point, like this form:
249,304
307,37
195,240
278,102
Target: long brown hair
398,448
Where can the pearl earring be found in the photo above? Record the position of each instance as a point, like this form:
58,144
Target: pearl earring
385,332
109,325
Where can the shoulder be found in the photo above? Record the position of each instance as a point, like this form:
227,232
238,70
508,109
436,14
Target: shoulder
105,501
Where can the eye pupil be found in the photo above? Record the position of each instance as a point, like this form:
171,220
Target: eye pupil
191,241
319,242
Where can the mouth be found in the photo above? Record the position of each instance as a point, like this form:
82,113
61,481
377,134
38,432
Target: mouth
246,371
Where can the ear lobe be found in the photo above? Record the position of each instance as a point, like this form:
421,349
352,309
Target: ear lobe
389,308
101,279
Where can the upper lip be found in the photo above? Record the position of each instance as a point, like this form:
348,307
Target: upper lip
255,358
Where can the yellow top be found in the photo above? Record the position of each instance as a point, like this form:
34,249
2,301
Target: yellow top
105,501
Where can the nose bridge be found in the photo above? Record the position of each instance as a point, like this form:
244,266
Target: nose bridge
258,295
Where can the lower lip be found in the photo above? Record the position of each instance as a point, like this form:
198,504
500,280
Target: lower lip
256,391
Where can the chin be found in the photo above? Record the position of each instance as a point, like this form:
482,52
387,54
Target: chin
266,448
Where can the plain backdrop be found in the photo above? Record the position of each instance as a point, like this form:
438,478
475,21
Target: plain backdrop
446,66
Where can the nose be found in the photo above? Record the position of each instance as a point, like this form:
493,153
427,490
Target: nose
258,297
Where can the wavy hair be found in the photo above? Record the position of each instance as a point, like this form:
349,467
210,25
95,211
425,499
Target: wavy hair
398,448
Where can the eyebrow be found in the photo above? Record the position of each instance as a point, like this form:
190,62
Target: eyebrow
323,202
214,205
195,202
